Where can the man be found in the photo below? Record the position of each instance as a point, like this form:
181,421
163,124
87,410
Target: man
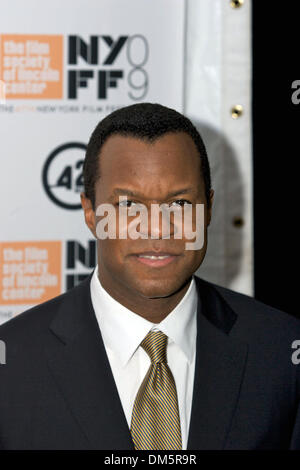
143,354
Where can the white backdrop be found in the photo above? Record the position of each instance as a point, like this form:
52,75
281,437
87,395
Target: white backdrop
68,65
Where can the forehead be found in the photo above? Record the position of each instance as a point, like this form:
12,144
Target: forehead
170,160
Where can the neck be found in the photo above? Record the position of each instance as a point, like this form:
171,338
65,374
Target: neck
152,309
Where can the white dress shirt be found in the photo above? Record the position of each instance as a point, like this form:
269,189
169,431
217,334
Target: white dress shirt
123,330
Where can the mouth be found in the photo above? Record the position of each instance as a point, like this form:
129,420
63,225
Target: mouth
155,259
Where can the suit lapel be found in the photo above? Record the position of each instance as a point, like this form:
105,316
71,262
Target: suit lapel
80,367
219,369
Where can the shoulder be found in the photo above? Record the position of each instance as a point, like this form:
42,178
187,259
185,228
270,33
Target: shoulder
30,324
271,335
254,316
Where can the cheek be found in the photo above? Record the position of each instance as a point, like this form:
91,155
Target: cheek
109,252
113,253
194,257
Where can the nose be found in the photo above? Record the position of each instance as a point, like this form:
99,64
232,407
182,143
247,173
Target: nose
160,222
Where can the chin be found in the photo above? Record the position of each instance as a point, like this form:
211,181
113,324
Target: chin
157,288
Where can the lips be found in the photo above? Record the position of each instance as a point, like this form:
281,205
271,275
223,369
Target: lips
155,258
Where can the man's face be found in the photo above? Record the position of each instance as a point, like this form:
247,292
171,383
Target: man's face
166,171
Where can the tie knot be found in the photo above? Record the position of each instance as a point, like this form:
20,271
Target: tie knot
155,345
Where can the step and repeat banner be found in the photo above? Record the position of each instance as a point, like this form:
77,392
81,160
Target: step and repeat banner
63,67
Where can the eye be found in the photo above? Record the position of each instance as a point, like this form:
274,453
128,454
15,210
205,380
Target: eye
125,203
180,202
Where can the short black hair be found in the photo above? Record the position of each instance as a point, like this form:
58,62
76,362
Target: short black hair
146,121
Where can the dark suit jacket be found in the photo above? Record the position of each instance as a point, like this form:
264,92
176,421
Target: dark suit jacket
57,390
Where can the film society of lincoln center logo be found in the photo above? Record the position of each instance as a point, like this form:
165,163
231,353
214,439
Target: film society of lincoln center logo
62,175
55,66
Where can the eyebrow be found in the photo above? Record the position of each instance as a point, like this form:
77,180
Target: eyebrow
128,192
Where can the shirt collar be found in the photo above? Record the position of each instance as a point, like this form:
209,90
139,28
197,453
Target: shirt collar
123,330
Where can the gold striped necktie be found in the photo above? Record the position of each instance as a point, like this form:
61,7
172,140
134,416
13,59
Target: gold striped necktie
155,423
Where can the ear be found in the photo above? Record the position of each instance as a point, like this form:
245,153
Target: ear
89,213
209,211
